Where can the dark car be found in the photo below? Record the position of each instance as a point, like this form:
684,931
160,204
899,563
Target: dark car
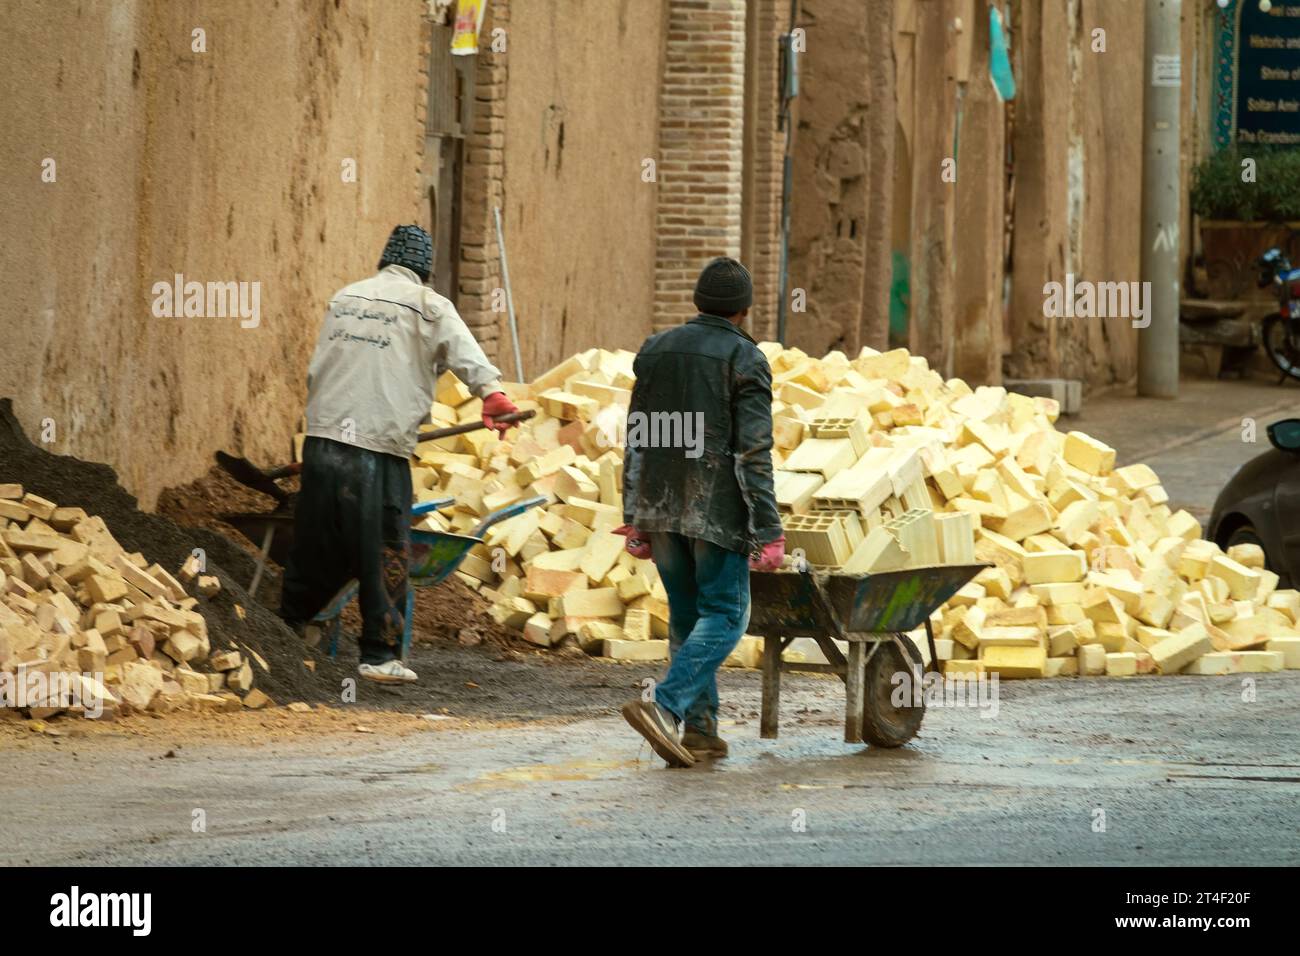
1261,503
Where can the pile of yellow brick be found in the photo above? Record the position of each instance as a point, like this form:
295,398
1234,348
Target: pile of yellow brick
879,464
85,626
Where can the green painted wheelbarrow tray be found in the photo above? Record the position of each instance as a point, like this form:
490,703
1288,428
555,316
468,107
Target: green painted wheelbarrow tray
872,613
434,555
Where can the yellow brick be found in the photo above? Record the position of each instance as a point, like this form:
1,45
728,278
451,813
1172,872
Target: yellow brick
1182,524
1088,454
636,650
1014,662
1011,637
1054,567
1236,662
537,630
1056,594
1154,610
1121,665
1174,653
105,589
601,553
451,391
1092,659
968,628
1289,648
1062,667
1242,582
596,602
1247,555
1288,602
541,584
1058,614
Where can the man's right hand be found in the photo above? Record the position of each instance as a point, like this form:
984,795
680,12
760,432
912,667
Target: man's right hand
494,406
770,557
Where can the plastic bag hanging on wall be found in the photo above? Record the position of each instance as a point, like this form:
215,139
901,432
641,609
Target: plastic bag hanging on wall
1004,83
469,21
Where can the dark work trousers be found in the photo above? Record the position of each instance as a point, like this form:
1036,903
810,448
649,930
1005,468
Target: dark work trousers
352,520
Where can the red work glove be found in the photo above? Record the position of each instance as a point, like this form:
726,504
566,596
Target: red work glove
494,406
638,544
769,558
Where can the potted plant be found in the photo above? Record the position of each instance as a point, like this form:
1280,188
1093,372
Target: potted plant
1240,219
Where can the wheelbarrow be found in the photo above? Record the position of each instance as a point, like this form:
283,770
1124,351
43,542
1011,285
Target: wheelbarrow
873,614
434,555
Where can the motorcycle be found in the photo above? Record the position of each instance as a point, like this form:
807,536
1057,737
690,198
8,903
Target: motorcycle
1281,330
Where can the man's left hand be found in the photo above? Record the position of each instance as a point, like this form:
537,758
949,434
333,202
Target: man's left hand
494,406
638,543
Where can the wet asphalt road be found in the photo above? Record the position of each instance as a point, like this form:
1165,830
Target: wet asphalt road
1175,770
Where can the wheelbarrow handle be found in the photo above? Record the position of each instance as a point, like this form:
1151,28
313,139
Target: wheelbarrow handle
475,426
424,507
509,511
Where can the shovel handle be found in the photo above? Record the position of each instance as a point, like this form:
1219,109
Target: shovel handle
284,471
475,426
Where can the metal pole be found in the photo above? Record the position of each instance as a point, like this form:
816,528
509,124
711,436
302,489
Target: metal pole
510,299
1161,201
783,293
785,123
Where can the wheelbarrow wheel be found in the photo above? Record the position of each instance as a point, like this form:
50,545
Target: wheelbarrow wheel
883,723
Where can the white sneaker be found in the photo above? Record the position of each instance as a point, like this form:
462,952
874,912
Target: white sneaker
392,672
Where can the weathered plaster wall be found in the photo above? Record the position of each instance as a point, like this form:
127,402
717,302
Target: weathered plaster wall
581,114
222,166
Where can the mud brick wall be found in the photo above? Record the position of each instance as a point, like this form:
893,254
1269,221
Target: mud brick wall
701,149
482,191
764,155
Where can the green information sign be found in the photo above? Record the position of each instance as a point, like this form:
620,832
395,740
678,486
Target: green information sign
1268,74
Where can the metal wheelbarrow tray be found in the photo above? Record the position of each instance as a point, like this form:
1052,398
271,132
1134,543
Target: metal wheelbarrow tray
434,556
873,614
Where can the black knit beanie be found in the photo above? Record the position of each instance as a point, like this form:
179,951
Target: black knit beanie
724,288
412,247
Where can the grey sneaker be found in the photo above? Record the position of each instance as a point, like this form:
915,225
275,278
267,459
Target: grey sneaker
660,730
704,745
392,672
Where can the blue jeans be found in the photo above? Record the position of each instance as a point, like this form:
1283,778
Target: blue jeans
708,610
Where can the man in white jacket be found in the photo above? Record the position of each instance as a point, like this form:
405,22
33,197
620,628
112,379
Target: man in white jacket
384,342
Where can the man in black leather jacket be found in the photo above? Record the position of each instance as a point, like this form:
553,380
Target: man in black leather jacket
697,495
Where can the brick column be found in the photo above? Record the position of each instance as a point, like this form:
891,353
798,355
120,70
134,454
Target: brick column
764,154
701,149
482,191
